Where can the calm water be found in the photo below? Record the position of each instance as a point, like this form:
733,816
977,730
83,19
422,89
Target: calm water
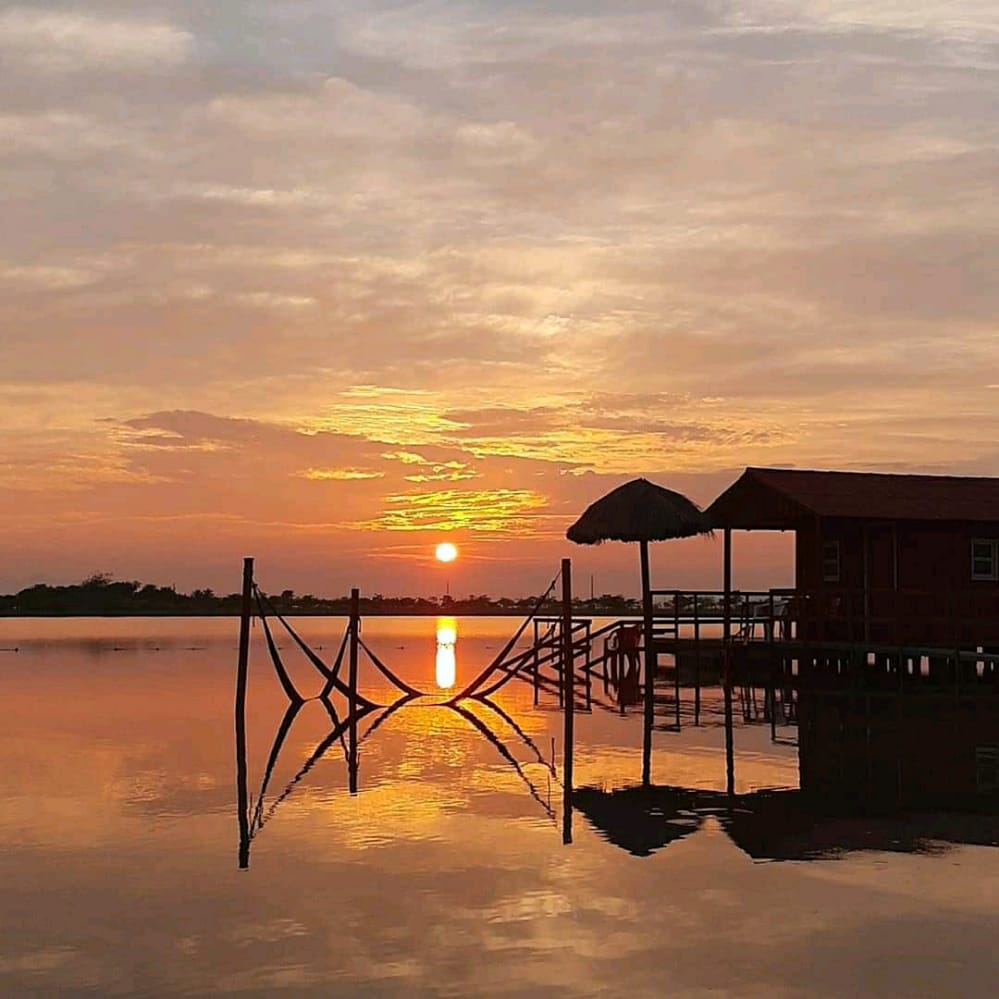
446,874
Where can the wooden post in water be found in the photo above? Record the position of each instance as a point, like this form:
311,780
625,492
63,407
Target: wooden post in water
727,668
650,667
535,678
242,669
353,627
569,700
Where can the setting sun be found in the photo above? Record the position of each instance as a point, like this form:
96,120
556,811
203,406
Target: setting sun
446,552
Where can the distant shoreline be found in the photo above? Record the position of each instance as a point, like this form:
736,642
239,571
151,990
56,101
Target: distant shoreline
443,612
102,596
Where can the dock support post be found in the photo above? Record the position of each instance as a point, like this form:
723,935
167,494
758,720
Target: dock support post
727,669
569,697
537,684
242,669
650,667
354,625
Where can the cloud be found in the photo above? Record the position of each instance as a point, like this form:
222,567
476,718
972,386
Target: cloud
63,41
339,474
526,244
506,511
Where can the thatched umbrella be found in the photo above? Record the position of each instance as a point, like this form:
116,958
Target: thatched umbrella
641,511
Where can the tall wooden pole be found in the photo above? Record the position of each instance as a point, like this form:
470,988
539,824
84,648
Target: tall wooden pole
355,620
242,669
727,671
650,667
569,700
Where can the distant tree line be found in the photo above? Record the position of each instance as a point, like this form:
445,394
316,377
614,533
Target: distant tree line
100,595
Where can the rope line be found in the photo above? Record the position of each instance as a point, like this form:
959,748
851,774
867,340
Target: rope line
289,688
337,663
387,673
333,682
282,733
490,736
505,651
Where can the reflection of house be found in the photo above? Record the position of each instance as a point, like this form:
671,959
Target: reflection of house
767,825
882,558
890,638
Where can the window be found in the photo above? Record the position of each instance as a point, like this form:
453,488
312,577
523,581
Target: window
830,562
985,559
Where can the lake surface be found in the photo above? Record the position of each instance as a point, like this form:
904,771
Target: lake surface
446,874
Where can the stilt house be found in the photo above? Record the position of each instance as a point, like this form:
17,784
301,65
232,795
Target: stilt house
890,637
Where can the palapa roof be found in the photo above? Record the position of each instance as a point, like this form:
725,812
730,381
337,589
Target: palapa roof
780,498
638,511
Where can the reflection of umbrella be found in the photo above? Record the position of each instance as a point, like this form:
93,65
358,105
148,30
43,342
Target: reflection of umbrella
641,820
640,511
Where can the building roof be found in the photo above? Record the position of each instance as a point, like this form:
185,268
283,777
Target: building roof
779,498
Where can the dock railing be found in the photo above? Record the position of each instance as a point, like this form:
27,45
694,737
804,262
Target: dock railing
966,619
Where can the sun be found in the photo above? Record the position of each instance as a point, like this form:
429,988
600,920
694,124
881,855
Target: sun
446,552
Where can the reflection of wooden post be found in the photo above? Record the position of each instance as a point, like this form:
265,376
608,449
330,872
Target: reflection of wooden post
569,697
355,620
242,669
676,658
727,668
650,667
697,664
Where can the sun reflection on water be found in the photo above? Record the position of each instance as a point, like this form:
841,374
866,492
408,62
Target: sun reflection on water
447,639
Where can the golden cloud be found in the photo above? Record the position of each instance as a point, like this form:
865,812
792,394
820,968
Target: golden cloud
338,474
509,511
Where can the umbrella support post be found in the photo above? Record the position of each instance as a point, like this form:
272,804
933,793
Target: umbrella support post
727,666
650,667
569,699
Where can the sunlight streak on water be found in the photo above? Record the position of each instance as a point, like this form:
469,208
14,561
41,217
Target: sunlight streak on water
447,640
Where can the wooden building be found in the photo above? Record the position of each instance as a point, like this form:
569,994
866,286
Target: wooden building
911,559
890,637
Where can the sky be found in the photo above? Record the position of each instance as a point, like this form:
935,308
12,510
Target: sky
329,282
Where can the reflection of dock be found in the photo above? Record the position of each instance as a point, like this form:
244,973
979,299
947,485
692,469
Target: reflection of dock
867,716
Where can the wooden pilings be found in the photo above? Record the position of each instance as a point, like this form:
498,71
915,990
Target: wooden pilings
352,651
242,671
569,700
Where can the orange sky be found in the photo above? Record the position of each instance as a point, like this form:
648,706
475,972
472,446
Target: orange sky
325,283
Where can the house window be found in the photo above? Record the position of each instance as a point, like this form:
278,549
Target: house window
830,562
985,559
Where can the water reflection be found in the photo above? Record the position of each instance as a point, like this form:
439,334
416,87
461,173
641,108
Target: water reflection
447,664
479,714
771,825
